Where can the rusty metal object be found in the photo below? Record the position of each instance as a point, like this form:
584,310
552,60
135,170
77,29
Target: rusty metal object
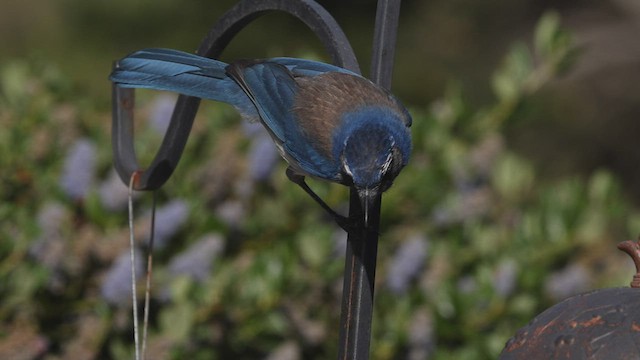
600,325
633,249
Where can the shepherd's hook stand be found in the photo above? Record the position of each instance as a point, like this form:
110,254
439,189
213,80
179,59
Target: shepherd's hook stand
362,246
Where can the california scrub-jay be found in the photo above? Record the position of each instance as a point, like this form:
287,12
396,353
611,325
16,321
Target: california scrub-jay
327,122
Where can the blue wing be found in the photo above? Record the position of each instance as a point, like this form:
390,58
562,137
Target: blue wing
273,89
181,72
303,67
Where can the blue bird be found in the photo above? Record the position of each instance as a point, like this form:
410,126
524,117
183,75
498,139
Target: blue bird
327,122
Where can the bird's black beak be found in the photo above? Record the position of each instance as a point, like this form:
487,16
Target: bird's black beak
369,201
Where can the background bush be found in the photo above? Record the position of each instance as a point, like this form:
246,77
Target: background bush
478,235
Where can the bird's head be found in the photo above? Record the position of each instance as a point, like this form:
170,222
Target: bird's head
373,153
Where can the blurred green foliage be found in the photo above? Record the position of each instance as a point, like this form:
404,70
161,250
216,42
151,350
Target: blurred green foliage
499,236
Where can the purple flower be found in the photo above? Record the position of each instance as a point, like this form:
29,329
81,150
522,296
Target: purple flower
263,155
114,194
263,158
339,238
289,350
49,248
79,169
483,155
469,204
231,213
253,129
504,277
116,286
161,111
406,263
195,262
421,336
244,188
467,284
169,219
572,280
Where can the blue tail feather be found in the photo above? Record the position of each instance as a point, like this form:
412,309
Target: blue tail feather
184,73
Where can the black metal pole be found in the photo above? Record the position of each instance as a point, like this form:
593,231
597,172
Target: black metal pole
384,42
359,278
362,242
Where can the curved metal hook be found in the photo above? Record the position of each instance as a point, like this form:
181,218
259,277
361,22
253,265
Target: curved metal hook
167,157
384,42
311,13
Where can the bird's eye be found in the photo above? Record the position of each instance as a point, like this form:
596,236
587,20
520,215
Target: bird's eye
347,169
390,169
387,163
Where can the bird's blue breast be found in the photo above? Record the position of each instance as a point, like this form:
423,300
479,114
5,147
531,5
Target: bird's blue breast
371,123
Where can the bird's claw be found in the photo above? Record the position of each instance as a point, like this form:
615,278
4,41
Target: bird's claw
294,177
344,222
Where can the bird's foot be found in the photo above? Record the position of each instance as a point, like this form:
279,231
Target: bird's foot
344,222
